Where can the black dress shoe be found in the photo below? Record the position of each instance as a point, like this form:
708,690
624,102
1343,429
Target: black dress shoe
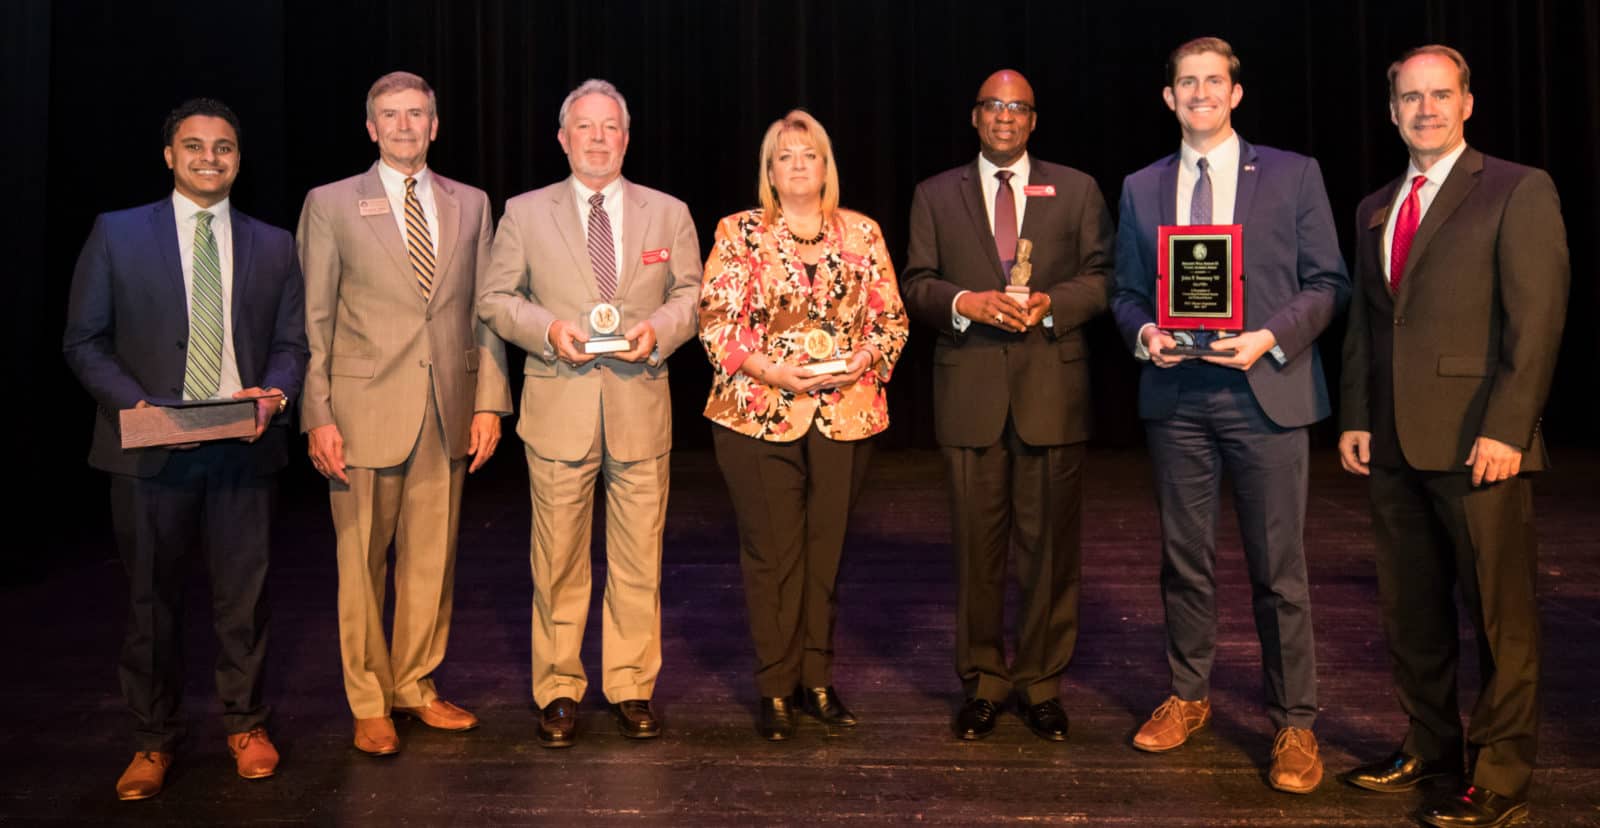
1046,719
976,719
776,722
636,720
1400,772
558,723
1474,807
823,703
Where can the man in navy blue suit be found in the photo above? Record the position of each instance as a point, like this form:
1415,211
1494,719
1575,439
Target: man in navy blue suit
1243,411
189,299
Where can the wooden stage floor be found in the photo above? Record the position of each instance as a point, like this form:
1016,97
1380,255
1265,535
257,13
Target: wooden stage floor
66,740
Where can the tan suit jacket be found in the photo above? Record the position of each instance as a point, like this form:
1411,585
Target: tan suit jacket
539,272
373,338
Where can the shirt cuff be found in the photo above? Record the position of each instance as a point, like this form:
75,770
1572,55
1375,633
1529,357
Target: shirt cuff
1277,354
1140,352
957,321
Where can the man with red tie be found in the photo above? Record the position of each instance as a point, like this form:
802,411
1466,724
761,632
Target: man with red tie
1011,395
1461,285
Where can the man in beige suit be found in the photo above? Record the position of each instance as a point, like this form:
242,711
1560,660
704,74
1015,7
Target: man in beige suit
403,384
592,240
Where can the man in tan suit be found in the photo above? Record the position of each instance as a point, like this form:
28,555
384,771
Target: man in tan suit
561,253
403,384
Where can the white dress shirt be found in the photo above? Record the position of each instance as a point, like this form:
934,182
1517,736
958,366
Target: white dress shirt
184,212
1436,175
394,186
1222,164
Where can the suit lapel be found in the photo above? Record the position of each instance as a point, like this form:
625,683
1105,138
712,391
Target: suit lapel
564,213
1245,190
449,211
1463,177
164,226
243,234
635,226
1032,214
972,196
1167,191
1370,246
383,224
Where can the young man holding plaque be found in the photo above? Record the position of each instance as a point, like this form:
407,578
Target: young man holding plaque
592,257
1461,289
1242,412
1011,394
403,398
191,270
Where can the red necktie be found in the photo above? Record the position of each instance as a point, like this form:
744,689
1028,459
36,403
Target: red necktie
1005,220
1405,229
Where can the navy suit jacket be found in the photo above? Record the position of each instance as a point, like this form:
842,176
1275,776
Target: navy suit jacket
128,325
1295,280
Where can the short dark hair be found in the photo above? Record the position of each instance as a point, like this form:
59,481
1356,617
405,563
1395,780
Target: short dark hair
1200,46
210,107
1441,51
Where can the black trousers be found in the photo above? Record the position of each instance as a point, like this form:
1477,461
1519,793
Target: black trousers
208,498
791,501
1014,496
1437,532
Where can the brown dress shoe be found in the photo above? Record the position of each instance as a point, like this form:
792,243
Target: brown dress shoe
376,736
253,753
1172,723
144,775
440,715
1296,767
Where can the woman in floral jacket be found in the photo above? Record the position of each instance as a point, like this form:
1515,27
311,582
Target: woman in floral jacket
789,288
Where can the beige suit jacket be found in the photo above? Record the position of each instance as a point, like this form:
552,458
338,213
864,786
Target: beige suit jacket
539,272
374,339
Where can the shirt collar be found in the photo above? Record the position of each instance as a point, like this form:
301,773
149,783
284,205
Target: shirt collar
1440,170
610,190
1019,168
395,180
184,210
1222,158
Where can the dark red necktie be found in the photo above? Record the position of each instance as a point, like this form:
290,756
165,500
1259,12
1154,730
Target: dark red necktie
1005,220
1405,229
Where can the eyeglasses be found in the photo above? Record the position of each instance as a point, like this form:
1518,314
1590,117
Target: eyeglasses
994,106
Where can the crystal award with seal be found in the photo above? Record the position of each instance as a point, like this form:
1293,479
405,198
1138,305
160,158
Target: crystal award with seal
823,349
1199,283
605,319
1021,272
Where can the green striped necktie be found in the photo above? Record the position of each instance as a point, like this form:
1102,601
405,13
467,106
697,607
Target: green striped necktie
202,374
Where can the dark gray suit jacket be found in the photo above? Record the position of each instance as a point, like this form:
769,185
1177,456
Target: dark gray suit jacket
1040,377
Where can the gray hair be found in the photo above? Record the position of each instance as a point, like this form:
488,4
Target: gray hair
594,86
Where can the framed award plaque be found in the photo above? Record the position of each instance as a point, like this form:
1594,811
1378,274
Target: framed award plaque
1200,277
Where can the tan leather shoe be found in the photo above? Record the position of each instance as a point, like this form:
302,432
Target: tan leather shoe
1172,723
376,736
144,775
253,754
1296,767
441,715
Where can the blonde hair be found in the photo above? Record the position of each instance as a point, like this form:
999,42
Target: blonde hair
798,122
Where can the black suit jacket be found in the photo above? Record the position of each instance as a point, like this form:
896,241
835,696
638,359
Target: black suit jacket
1040,377
128,325
1468,346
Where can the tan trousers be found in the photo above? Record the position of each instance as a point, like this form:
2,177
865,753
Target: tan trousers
416,505
563,517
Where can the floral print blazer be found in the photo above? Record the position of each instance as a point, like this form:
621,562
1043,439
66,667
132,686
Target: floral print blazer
756,298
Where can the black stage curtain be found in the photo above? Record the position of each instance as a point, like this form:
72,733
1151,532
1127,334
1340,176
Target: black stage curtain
89,81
